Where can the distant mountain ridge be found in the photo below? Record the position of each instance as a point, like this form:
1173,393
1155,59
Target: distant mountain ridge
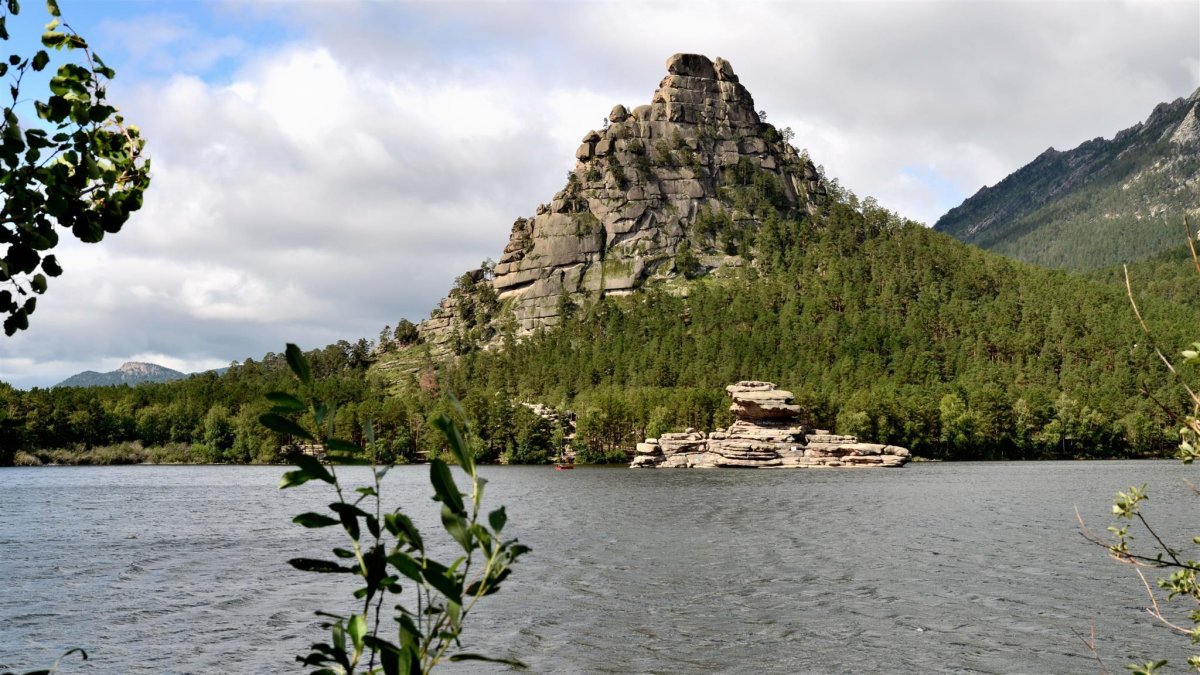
132,372
1101,203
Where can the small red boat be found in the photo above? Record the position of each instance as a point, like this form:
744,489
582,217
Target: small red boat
563,467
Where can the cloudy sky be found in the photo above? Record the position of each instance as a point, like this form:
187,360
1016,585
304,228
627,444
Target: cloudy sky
324,168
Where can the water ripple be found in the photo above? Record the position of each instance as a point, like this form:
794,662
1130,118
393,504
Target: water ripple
950,568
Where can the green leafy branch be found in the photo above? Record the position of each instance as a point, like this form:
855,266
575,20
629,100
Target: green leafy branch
386,550
86,172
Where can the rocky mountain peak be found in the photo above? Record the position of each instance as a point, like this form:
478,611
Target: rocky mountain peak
1098,204
1188,130
130,372
662,179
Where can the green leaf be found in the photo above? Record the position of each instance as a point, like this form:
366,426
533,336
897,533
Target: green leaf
488,585
310,469
338,633
18,320
443,581
444,488
456,526
401,526
395,660
298,364
322,566
40,59
283,402
50,266
312,520
276,422
476,657
341,507
292,479
497,519
406,565
410,634
56,40
52,8
340,445
458,446
357,628
349,515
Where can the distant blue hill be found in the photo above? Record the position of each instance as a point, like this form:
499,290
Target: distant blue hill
129,373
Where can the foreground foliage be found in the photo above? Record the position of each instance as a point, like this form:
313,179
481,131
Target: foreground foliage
387,552
81,169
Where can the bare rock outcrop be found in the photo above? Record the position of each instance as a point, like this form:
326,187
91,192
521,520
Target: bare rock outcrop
632,201
767,434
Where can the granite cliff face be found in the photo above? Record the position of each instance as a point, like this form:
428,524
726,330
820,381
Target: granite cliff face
768,433
675,176
1104,202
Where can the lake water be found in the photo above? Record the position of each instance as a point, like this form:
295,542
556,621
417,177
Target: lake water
972,567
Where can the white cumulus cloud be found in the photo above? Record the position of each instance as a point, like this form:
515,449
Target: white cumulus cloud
318,186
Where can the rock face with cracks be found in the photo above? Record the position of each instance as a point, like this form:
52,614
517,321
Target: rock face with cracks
631,203
768,433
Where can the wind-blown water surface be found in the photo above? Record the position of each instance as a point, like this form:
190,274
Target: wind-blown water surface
974,568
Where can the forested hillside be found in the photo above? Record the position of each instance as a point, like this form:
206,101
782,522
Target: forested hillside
1102,203
1170,276
885,330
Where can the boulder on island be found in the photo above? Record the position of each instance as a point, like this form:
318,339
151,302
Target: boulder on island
768,433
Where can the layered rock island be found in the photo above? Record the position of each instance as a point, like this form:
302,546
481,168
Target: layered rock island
768,433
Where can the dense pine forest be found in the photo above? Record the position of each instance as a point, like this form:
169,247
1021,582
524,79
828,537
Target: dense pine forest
883,328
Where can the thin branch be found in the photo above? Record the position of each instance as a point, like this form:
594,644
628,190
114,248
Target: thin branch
1091,645
1150,336
1135,559
1174,417
1085,531
1156,612
1187,232
1192,485
1162,545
